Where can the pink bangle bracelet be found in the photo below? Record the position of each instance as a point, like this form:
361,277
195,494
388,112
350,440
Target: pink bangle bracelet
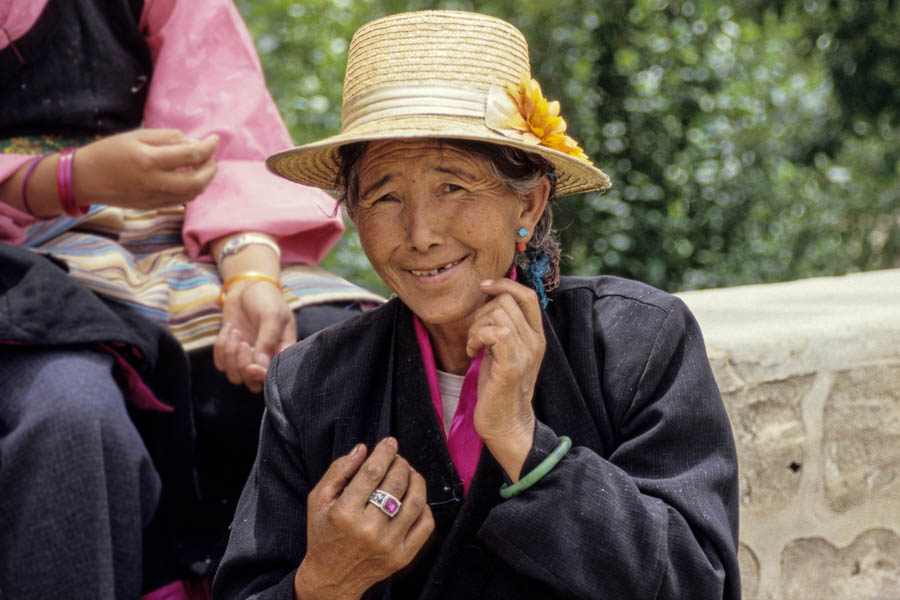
31,168
64,184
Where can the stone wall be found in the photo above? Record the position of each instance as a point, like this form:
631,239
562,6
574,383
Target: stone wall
810,374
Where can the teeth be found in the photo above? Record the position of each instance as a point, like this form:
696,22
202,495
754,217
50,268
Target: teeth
433,271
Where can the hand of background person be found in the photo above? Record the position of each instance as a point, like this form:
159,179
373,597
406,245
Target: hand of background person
510,330
144,169
257,323
351,543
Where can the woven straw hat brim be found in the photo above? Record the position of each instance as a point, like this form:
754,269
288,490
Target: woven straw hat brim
317,164
429,74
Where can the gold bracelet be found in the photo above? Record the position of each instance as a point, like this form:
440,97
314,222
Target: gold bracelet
247,275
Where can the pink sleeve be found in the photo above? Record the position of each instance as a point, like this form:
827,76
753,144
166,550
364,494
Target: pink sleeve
207,79
13,222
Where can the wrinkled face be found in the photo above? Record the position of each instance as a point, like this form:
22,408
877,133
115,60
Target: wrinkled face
434,222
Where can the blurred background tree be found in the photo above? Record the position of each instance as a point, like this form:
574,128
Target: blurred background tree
748,141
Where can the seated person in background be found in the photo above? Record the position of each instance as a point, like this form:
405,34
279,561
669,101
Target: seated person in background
495,431
116,326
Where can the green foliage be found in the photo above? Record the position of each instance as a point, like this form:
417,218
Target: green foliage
747,142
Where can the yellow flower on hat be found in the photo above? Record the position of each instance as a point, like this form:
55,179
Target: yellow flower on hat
524,113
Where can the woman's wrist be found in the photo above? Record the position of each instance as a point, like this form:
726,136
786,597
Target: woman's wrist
511,449
251,257
310,585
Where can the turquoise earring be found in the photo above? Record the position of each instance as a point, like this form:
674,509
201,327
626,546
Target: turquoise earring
520,245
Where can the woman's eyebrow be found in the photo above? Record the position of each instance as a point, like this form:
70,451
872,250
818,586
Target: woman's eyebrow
457,172
368,190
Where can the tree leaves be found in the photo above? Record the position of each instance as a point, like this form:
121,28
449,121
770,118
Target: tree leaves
747,142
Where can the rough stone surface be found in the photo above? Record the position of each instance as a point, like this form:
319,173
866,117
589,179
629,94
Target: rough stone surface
869,568
810,374
770,439
862,419
749,571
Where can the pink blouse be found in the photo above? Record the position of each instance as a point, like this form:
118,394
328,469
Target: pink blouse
207,79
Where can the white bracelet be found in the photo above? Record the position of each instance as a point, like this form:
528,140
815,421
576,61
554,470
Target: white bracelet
239,242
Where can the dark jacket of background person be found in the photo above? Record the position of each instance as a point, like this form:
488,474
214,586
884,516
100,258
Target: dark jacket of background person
644,506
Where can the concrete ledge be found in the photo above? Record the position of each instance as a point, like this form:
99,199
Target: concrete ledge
810,374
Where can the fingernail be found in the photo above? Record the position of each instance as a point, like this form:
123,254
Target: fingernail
487,283
356,450
262,359
392,442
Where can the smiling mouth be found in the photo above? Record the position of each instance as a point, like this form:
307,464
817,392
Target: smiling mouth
435,271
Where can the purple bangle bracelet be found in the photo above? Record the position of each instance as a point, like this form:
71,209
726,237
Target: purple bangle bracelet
31,168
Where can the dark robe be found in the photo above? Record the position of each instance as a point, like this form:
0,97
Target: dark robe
644,506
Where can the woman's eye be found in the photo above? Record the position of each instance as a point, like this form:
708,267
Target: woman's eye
452,187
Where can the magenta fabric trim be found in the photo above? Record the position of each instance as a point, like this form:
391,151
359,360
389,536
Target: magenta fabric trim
136,391
185,589
172,591
462,440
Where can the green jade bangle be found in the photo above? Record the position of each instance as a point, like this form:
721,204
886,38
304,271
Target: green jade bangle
562,448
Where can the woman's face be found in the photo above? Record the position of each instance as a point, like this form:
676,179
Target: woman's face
435,222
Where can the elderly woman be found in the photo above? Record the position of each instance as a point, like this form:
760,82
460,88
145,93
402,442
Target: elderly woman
494,431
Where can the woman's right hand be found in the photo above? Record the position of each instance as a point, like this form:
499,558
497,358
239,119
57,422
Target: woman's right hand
143,169
351,543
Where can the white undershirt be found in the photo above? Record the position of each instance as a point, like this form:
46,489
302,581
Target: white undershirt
450,386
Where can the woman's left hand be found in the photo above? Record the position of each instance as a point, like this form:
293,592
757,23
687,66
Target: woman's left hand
256,324
510,330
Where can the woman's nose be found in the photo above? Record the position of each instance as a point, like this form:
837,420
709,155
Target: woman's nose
424,225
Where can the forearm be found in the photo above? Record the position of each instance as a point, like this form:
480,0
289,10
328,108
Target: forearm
42,195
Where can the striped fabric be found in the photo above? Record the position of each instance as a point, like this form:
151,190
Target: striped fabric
136,257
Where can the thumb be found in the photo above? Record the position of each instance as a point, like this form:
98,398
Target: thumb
268,339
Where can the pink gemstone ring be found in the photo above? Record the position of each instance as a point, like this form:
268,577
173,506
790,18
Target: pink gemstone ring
388,504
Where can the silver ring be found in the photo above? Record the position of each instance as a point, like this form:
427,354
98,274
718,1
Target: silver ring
388,503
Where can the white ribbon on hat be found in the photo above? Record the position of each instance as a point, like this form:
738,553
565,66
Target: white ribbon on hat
406,100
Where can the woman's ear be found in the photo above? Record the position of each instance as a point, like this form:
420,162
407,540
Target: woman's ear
534,203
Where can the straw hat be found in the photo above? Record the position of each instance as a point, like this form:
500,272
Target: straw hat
443,74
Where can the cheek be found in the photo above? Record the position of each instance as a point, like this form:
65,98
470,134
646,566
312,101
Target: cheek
378,239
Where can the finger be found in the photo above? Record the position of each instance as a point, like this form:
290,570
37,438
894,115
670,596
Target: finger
419,533
230,357
244,359
495,323
416,511
268,336
183,186
525,297
188,153
395,481
254,377
160,137
371,473
219,346
339,473
288,334
414,500
488,337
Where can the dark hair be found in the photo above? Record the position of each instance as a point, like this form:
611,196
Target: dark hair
519,170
